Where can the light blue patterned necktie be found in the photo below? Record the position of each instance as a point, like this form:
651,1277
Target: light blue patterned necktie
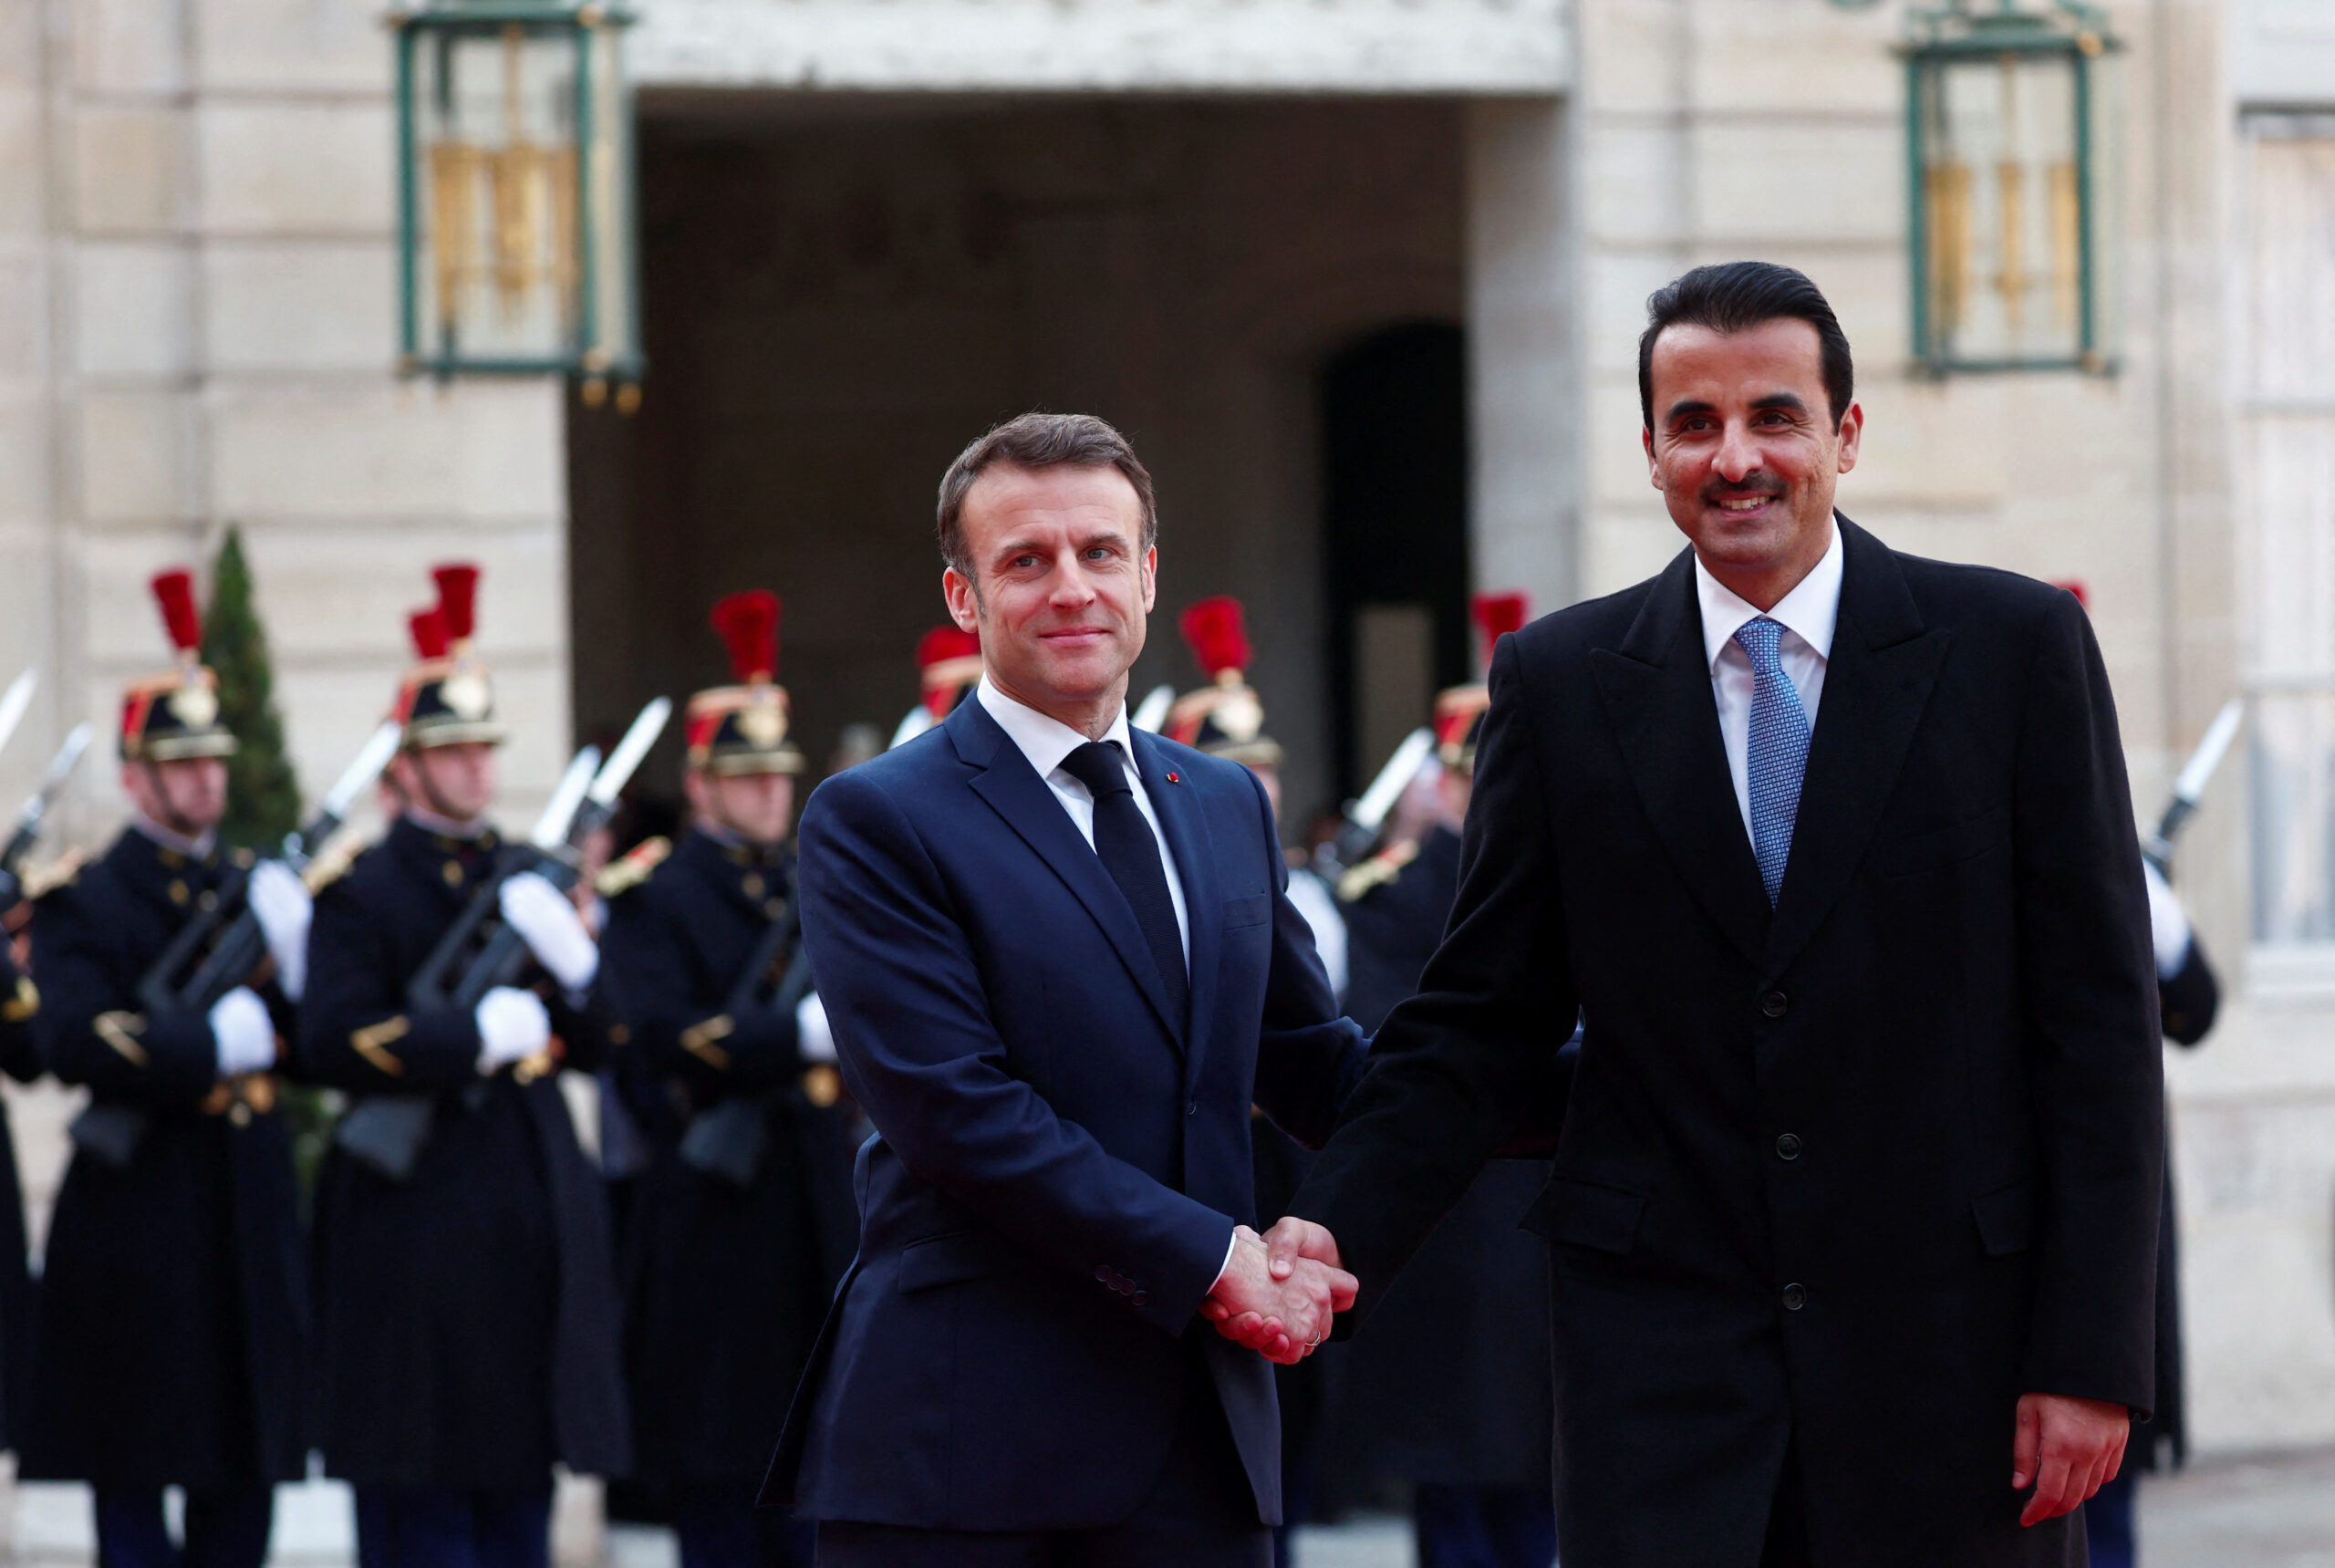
1776,757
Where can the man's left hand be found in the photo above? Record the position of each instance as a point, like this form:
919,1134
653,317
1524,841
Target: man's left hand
2067,1449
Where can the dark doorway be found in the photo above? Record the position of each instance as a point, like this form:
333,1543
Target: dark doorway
1394,425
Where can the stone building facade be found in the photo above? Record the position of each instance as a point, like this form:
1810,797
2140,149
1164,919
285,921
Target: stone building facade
1280,241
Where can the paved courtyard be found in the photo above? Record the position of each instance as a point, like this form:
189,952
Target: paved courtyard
2268,1511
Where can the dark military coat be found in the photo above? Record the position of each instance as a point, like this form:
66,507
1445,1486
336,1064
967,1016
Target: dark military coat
174,1313
728,1276
20,1059
1451,1383
467,1314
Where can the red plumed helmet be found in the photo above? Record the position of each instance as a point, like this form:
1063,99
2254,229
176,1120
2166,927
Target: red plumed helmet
428,626
1497,615
946,642
748,623
174,591
457,600
1217,636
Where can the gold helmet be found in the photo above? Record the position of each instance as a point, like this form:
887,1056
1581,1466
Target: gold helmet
1459,710
166,717
742,729
445,698
1226,718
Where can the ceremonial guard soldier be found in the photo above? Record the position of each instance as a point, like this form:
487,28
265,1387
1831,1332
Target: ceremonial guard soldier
175,1319
1449,1390
466,1290
1226,719
743,1219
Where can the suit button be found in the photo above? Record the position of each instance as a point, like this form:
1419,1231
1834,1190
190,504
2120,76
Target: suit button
1192,1108
1795,1297
1787,1147
1141,1298
1775,1004
1101,1273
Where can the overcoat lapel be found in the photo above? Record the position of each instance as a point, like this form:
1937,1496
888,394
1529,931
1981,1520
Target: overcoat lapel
1877,684
1013,789
1656,692
1184,821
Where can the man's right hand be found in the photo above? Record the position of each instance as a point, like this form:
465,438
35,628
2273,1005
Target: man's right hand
1282,1313
1294,1241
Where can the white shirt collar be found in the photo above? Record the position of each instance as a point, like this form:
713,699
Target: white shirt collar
1046,741
194,848
1810,611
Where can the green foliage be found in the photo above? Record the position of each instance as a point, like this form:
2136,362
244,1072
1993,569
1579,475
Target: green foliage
262,796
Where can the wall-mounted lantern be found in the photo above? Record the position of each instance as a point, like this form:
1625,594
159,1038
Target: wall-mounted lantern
515,205
2009,134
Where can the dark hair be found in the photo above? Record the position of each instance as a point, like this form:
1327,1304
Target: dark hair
1734,296
1037,440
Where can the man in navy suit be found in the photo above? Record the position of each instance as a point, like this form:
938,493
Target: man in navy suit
1060,963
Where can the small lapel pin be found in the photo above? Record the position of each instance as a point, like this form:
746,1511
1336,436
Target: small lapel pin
1175,778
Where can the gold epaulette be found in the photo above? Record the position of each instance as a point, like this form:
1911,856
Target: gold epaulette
1375,872
633,868
333,862
41,881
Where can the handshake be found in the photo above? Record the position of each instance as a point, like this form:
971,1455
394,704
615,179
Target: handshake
1279,1290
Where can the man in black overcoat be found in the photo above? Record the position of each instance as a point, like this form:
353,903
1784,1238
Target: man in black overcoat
1853,1224
466,1293
174,1337
743,1220
20,1060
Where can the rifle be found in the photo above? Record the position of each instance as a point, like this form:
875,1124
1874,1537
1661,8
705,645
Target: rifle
386,1133
1363,817
2190,788
479,951
224,946
28,821
727,1139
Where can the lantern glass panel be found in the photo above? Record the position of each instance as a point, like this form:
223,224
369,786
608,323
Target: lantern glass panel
2003,192
499,271
611,333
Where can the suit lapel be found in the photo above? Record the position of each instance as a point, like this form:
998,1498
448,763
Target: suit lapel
1013,789
1656,692
1877,684
1184,821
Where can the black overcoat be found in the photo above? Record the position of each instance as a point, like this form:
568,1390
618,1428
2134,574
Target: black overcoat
174,1326
467,1316
1450,1385
727,1278
1850,1173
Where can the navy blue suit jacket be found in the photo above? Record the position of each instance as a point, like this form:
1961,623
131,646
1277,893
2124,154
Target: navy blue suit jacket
1058,1161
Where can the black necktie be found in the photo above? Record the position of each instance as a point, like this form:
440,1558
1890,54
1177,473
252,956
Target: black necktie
1130,853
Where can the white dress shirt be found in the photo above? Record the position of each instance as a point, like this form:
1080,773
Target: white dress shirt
1808,615
1046,742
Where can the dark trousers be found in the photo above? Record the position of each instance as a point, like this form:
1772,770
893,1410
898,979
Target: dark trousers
1199,1514
1484,1526
223,1528
719,1527
438,1527
2108,1519
1787,1543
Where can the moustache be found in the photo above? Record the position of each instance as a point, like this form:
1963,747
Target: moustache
1716,494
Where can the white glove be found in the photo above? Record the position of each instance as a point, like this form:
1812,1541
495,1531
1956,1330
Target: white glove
815,1039
243,1033
280,902
513,1026
552,930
